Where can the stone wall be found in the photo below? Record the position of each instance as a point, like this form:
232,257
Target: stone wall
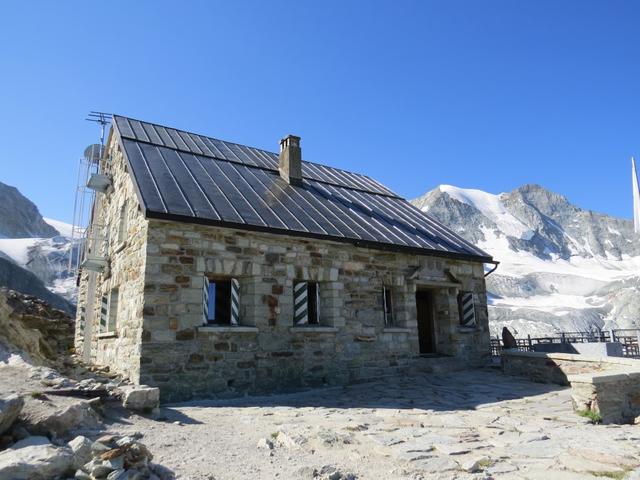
552,367
608,388
119,348
267,353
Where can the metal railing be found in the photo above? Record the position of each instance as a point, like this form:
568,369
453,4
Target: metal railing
629,338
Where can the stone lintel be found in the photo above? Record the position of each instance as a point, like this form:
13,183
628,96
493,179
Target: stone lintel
313,329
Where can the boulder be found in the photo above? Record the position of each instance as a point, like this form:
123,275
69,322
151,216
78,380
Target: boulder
10,408
31,442
81,448
140,397
60,422
37,461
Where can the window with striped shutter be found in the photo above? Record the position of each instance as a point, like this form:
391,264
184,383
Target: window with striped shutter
466,304
82,318
221,301
306,303
104,313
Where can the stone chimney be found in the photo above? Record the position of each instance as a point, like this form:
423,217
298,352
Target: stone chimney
291,160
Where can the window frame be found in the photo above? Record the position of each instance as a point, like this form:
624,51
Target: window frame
313,303
230,293
388,309
123,222
109,307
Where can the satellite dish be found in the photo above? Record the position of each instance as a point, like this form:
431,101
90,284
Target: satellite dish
93,153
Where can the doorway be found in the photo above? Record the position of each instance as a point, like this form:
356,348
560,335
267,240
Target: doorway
426,324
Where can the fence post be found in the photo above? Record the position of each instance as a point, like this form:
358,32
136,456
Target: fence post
529,341
613,335
562,338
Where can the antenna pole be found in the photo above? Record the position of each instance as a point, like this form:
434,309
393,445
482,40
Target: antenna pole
101,118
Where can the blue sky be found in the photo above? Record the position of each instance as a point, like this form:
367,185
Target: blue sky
485,95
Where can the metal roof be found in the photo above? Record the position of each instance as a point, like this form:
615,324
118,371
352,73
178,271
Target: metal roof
191,178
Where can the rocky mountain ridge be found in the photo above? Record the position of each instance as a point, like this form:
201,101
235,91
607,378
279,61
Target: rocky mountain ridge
20,218
562,267
34,251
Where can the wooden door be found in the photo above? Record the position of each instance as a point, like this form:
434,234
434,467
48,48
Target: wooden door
425,314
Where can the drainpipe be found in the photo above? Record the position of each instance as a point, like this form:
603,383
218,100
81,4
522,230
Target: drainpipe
495,264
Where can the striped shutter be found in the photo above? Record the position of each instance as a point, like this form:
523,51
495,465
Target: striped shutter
235,301
467,310
300,303
205,301
104,313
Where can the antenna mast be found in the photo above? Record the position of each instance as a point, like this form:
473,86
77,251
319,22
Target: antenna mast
101,118
84,197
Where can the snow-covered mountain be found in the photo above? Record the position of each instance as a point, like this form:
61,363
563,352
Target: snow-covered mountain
40,246
562,268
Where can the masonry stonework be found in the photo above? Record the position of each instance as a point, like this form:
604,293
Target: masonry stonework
119,347
266,352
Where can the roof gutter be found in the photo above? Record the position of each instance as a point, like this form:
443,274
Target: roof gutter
495,267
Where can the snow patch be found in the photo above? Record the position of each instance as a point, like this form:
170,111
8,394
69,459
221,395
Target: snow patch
65,229
18,248
492,207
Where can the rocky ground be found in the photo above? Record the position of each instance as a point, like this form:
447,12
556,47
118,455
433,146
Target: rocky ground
463,425
52,424
474,424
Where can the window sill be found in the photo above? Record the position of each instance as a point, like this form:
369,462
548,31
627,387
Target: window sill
227,329
468,329
313,329
396,330
107,335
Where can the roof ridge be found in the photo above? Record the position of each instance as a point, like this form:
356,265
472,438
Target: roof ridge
391,194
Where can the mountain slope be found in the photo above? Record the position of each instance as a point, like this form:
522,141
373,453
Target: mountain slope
562,267
16,278
40,246
19,217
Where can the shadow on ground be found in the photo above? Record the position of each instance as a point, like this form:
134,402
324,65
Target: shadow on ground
465,390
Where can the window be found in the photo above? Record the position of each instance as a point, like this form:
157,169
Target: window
109,311
387,306
122,227
221,301
306,303
467,309
82,318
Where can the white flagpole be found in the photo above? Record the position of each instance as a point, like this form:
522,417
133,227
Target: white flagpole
636,196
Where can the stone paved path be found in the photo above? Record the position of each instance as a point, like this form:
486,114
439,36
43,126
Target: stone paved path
475,424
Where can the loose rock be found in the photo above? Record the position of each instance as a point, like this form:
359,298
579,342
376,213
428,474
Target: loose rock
10,408
38,461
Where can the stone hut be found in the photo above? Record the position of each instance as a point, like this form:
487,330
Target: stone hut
212,269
